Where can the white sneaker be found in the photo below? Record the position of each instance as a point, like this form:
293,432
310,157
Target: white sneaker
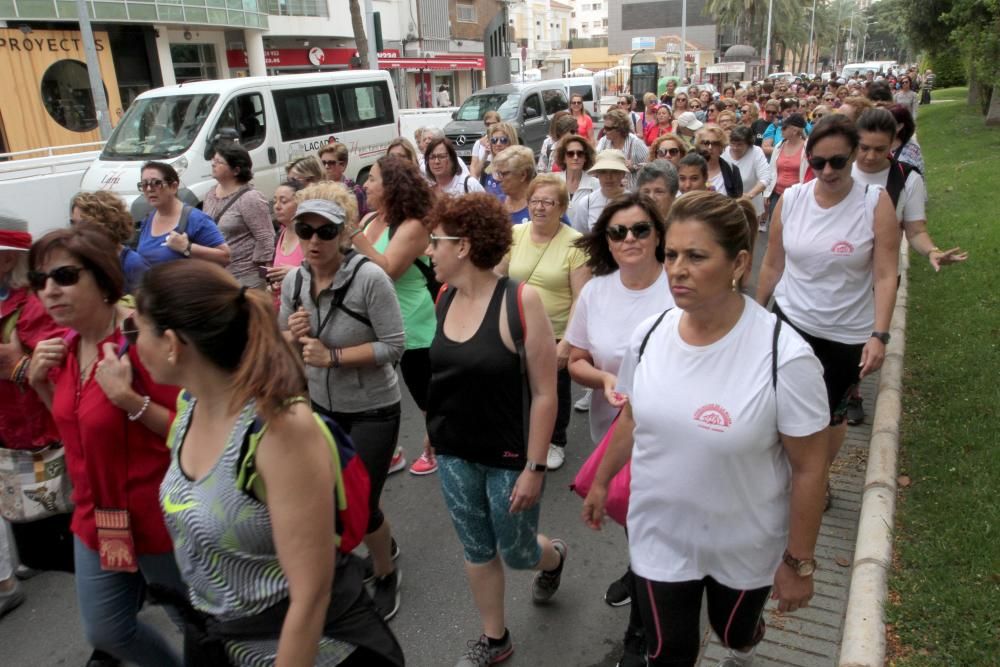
738,659
583,403
556,457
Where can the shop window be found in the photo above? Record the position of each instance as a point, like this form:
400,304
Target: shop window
67,96
193,62
245,116
466,13
365,105
306,112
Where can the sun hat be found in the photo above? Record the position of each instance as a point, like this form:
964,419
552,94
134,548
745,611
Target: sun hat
14,234
689,121
609,159
323,208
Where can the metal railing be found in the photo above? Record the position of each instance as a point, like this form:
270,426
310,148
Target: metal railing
52,151
298,8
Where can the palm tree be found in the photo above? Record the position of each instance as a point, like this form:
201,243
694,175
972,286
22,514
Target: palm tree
360,38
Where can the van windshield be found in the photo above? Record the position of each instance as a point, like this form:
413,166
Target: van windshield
476,106
156,128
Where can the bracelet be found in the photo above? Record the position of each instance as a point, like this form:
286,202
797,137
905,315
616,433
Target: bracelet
138,415
335,357
934,249
20,370
356,232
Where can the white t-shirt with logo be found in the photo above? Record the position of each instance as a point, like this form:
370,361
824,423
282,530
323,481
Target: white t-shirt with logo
606,314
710,479
826,288
911,205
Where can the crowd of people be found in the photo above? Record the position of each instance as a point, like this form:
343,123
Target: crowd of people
191,380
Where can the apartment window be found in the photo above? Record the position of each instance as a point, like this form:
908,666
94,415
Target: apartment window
466,13
604,23
193,62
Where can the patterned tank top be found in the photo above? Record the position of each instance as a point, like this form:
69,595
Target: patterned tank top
224,545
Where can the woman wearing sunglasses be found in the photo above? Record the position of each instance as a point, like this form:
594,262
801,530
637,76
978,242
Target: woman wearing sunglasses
561,125
335,156
831,265
669,147
502,136
726,448
789,164
906,96
492,454
112,418
340,313
574,157
751,163
481,151
723,177
625,253
584,123
160,240
515,169
395,238
680,104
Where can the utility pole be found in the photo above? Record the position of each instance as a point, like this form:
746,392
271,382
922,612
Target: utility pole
767,45
812,50
684,26
94,70
369,29
850,37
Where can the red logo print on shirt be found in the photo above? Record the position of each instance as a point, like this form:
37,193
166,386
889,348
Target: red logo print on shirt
713,417
842,248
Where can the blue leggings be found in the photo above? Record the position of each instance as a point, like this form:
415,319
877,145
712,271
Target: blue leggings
478,500
110,602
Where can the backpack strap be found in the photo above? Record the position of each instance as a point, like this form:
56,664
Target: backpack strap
645,339
774,353
465,184
340,294
896,182
297,293
513,291
218,218
182,222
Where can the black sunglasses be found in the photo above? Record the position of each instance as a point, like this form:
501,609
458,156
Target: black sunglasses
837,162
667,152
326,232
640,230
64,276
572,153
331,163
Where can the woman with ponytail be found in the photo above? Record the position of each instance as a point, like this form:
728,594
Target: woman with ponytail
260,566
728,505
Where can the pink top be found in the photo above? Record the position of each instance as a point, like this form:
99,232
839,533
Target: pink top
788,169
292,259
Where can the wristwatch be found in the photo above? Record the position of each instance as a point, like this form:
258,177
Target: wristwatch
536,467
803,568
187,250
882,336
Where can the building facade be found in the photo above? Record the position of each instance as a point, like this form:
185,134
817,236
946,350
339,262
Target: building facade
658,19
590,19
541,31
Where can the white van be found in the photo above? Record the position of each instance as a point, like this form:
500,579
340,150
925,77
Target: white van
586,87
276,118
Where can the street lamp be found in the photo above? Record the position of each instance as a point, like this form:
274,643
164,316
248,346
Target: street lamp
812,50
767,45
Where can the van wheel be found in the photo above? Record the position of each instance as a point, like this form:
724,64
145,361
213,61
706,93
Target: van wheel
363,176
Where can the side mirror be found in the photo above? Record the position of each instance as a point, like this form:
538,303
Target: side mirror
530,113
454,115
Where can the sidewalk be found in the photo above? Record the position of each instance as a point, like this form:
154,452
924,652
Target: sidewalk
811,637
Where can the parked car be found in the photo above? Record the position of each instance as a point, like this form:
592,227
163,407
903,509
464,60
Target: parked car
276,118
527,106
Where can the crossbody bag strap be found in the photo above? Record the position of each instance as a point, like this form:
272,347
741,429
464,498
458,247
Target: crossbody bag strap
242,191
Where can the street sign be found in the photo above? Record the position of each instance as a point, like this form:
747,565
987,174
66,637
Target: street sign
640,43
727,68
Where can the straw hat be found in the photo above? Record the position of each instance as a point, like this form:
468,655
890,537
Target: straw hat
14,234
609,160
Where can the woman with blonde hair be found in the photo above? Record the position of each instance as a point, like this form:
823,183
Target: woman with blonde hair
668,147
501,137
481,153
710,142
618,136
403,148
108,210
306,170
650,104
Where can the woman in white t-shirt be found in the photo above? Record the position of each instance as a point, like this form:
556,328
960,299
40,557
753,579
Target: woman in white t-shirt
831,265
625,253
444,171
725,422
481,153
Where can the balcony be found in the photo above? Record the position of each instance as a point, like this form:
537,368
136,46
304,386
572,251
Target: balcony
228,13
298,8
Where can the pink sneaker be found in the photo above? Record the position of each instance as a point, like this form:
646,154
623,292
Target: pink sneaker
425,465
398,461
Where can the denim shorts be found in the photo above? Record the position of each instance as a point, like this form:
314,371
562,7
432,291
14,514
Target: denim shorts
478,500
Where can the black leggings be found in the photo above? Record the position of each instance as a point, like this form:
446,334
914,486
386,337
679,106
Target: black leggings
671,612
374,433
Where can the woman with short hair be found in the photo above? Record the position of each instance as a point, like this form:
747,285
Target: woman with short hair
561,125
107,209
288,253
617,136
722,177
650,104
501,137
335,156
402,147
241,214
751,163
306,170
574,157
669,147
514,169
444,172
658,181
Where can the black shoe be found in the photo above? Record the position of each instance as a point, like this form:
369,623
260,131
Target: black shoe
386,594
634,654
855,411
618,594
370,566
101,659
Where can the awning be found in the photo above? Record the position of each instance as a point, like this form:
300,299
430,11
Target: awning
438,63
331,58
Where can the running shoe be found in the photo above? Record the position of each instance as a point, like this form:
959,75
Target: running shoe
855,411
618,593
99,658
385,594
425,465
482,653
370,566
546,582
12,599
583,403
634,651
556,457
398,461
23,572
738,659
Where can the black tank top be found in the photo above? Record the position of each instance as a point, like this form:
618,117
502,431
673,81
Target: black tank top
474,408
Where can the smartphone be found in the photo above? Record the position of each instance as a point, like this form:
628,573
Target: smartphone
262,271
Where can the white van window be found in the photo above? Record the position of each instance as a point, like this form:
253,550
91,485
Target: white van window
365,105
157,128
245,115
306,112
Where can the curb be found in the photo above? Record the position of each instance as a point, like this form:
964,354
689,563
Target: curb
863,643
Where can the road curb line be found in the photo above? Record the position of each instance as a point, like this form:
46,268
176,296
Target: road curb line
863,642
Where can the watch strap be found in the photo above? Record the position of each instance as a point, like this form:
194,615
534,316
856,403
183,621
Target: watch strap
536,467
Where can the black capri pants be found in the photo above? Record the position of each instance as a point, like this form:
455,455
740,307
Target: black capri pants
671,613
374,433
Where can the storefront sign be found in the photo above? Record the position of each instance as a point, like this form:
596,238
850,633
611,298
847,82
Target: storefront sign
726,68
389,59
31,43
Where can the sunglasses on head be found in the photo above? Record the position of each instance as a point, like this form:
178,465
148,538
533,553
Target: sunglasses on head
667,152
64,276
640,230
326,232
150,184
837,162
499,140
331,163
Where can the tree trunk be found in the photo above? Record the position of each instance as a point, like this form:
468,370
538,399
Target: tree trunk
973,97
993,114
360,39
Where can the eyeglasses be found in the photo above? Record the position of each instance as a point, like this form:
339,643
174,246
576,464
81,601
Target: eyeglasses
334,163
640,230
435,239
710,144
542,203
668,152
574,154
437,157
502,174
837,162
64,276
744,110
499,140
575,103
150,184
130,331
326,232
